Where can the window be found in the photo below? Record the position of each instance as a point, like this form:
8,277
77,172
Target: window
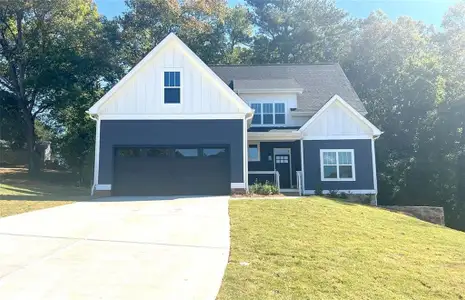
172,87
337,165
214,152
269,113
186,152
279,113
159,152
257,117
129,152
254,152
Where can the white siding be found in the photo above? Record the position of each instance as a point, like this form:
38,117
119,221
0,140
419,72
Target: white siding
143,93
289,100
337,121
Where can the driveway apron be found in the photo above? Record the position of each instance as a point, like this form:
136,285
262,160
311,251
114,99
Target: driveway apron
116,248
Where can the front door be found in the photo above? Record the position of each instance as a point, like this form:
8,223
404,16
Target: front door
282,164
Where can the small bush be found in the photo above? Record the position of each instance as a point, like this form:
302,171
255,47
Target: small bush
266,188
319,190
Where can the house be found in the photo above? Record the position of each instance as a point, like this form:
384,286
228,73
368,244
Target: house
175,126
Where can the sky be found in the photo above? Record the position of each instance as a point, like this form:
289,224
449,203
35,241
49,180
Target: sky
428,11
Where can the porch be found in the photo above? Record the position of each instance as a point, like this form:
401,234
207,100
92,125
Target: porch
277,162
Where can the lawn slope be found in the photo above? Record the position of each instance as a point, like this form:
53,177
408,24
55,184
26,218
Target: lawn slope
19,193
316,248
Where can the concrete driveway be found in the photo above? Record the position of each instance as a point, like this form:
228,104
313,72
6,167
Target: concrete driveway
116,248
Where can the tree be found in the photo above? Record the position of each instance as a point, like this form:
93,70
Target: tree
295,31
43,54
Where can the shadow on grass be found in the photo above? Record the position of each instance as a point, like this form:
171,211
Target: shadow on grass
21,190
44,198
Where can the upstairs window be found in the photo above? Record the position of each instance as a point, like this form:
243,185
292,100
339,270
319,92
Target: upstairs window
269,113
172,87
337,165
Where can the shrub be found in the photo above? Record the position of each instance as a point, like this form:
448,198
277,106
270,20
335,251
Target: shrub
266,188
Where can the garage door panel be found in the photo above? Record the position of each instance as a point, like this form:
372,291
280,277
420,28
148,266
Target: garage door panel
171,171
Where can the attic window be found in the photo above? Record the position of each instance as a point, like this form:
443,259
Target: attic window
172,87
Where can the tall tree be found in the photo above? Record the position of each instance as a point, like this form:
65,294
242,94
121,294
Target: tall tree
43,54
294,31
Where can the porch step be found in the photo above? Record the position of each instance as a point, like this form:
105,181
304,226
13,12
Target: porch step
290,193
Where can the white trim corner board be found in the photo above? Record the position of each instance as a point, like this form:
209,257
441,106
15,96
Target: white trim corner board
237,185
103,187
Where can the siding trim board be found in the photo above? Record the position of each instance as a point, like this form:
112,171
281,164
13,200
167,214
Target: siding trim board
176,133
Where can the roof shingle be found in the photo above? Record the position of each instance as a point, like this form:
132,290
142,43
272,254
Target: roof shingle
320,82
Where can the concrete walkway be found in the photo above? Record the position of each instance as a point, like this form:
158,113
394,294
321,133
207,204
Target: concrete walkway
117,248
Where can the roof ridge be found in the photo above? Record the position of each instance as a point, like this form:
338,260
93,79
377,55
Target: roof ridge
275,64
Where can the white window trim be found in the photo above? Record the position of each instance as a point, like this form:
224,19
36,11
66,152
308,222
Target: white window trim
273,103
322,173
181,79
258,149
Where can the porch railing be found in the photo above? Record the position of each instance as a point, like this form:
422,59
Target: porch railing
274,173
300,180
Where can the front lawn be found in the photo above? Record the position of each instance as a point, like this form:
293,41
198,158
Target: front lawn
19,194
315,248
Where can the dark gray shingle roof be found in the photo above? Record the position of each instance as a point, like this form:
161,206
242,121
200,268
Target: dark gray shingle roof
320,82
264,84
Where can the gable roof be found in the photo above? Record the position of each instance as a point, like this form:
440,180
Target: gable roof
187,51
376,132
320,82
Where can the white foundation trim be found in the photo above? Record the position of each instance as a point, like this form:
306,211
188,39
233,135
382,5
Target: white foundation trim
354,192
238,185
289,190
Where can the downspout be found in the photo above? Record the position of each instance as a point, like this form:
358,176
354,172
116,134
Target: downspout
246,151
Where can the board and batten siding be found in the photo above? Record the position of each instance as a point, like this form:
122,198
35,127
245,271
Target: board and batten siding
363,165
338,122
143,93
120,133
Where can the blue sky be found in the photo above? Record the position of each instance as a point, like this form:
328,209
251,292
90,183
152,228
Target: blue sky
428,11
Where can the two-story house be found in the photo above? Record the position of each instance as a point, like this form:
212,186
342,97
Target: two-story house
175,126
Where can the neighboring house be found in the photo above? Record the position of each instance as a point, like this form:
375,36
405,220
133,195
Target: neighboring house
175,126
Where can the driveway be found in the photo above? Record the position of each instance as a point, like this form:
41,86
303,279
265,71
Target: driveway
116,248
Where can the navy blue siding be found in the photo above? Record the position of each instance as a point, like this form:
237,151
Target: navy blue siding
363,165
115,133
266,150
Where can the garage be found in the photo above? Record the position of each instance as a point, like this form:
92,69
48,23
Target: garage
163,171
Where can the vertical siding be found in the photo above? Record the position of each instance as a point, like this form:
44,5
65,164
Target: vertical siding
337,120
115,133
143,93
363,165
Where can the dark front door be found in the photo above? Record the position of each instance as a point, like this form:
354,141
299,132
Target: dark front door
282,163
162,171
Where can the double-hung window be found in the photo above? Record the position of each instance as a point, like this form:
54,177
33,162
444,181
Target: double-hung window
254,152
172,87
337,165
269,113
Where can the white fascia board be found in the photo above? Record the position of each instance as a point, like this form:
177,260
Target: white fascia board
172,117
375,130
202,66
338,137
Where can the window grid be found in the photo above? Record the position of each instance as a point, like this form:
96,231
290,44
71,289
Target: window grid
172,87
269,113
337,159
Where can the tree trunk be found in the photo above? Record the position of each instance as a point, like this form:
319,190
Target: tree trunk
33,166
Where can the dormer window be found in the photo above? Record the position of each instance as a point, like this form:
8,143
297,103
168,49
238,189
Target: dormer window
172,87
269,113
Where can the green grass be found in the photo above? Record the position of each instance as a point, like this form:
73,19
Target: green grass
19,193
316,248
